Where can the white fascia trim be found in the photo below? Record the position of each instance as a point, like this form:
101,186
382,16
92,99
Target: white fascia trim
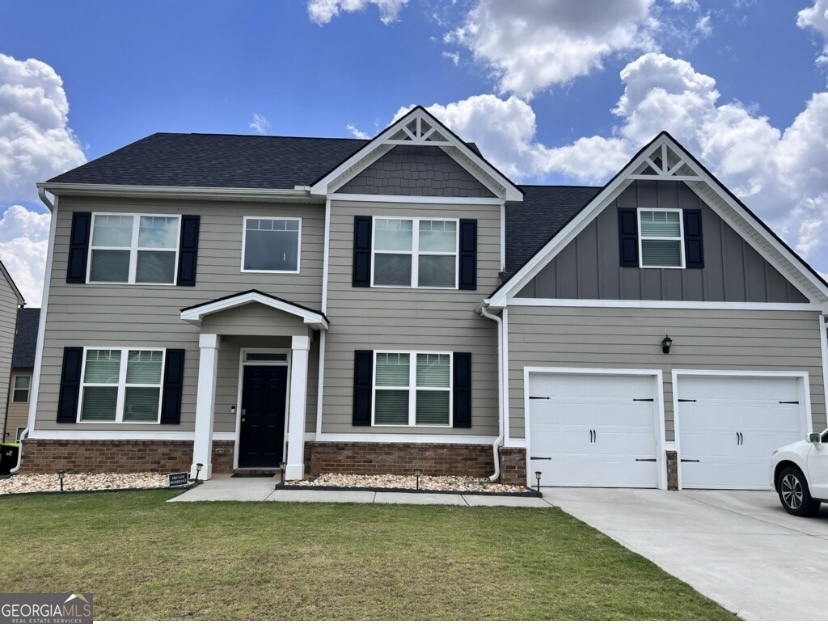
670,305
504,381
326,255
739,373
417,199
512,192
65,434
196,315
823,341
416,439
198,192
44,310
574,370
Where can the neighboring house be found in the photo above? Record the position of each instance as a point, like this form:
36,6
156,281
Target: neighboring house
385,305
22,370
10,301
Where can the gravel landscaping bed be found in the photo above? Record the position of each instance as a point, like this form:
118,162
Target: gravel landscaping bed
407,482
78,482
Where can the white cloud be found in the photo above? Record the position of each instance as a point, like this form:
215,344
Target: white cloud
534,44
816,18
259,123
323,11
454,57
36,142
356,132
24,238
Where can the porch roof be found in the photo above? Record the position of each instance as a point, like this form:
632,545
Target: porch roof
195,314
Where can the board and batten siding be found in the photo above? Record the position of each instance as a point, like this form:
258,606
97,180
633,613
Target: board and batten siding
8,326
589,267
743,340
139,316
410,319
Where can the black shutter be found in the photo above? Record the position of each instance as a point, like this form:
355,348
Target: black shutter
78,248
362,252
628,236
173,386
363,387
468,254
188,250
70,381
462,390
693,247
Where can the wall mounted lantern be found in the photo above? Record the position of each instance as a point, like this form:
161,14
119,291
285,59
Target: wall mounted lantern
666,344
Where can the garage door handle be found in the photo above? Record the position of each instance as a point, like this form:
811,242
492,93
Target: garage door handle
687,400
789,402
645,460
540,458
691,461
645,400
545,398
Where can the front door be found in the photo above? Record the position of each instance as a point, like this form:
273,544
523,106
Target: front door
262,427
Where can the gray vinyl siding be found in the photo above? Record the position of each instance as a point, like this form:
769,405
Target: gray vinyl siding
589,267
254,319
416,170
743,340
410,319
8,324
149,316
18,413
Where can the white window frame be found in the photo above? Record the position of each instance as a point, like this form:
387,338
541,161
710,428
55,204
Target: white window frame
415,252
412,388
679,238
133,248
298,244
120,401
28,388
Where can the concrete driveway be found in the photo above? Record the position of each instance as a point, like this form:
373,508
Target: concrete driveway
738,548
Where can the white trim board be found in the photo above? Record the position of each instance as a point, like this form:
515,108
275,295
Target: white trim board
66,434
747,226
417,199
400,438
196,315
673,305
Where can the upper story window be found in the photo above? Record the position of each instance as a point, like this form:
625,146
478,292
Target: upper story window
22,384
271,245
418,253
121,385
134,249
661,238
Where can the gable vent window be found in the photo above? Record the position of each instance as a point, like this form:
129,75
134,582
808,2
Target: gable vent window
418,253
661,238
134,249
271,245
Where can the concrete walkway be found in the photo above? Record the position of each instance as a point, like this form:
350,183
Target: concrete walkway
224,488
738,548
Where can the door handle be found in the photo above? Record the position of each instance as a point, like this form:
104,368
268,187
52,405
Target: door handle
594,435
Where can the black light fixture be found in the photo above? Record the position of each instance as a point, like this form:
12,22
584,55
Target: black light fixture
282,467
538,476
666,344
198,470
417,473
60,476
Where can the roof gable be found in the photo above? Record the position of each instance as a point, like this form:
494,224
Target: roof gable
15,291
418,128
666,160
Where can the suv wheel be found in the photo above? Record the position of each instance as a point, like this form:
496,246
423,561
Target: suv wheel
794,494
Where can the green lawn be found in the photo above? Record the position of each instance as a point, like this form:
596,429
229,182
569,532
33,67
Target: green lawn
144,559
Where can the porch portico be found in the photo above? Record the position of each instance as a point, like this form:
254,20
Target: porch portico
280,382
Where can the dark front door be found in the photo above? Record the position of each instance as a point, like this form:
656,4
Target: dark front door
262,432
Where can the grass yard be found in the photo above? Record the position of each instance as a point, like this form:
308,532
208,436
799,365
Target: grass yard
144,559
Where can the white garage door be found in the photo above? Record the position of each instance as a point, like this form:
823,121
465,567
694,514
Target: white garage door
593,430
728,427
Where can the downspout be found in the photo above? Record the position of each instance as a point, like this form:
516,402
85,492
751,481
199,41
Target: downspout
20,451
482,311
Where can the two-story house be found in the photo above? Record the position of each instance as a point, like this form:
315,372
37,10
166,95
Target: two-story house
224,303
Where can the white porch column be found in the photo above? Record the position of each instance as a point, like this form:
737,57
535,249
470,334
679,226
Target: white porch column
296,409
205,404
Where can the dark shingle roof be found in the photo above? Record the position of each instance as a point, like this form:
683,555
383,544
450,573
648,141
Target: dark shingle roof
541,215
25,339
216,160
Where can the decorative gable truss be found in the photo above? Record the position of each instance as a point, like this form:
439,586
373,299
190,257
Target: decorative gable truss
419,128
664,159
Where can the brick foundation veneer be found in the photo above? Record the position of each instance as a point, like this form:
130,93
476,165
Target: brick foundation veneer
672,470
512,466
473,460
118,456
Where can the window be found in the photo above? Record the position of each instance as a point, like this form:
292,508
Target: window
661,238
418,253
134,249
412,389
19,433
121,385
20,392
271,245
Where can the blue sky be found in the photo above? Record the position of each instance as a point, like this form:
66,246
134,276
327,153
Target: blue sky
554,91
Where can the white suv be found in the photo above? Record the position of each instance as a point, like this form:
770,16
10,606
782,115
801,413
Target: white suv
799,473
